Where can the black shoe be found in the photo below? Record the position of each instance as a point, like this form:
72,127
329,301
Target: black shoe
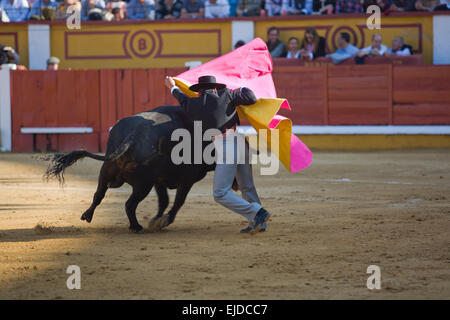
246,230
261,217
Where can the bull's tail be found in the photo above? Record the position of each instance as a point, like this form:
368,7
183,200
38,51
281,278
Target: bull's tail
59,163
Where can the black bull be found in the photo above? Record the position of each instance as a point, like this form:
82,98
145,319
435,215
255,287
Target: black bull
138,152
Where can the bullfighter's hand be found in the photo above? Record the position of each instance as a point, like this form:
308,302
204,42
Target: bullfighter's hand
169,82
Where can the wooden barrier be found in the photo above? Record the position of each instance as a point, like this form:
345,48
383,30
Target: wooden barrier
321,95
421,95
360,95
88,98
306,90
416,59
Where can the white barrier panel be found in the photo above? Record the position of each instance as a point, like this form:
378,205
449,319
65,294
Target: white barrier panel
56,130
38,46
242,30
441,39
5,110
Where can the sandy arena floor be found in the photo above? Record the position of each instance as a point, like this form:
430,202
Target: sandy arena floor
331,221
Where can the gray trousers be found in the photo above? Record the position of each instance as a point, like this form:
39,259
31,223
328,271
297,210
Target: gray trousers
249,204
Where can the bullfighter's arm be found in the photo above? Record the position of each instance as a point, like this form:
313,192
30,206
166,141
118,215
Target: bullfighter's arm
243,96
180,96
176,92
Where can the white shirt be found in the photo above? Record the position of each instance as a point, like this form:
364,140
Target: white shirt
296,56
382,49
220,9
17,11
276,7
402,53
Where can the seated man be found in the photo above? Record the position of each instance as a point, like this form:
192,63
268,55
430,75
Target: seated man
349,6
62,11
169,9
249,8
88,5
193,9
403,5
141,9
276,48
15,10
345,50
426,5
277,7
8,55
382,4
399,48
217,9
53,63
445,6
375,49
309,6
39,9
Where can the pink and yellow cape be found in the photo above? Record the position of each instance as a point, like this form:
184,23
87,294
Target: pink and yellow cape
251,66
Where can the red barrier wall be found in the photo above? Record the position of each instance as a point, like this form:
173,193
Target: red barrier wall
82,98
319,95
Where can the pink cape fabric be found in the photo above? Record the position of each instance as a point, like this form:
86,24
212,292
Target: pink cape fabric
301,156
251,66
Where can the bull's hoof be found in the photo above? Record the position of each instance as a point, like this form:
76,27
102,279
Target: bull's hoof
155,225
137,229
165,221
86,216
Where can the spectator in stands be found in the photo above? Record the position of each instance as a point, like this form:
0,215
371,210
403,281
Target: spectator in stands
118,8
141,9
293,49
169,9
249,8
377,48
313,45
217,9
239,44
349,6
43,10
300,7
61,12
15,10
427,5
233,6
443,7
403,5
53,63
277,7
296,7
274,45
3,16
8,55
193,9
382,4
88,5
399,48
345,50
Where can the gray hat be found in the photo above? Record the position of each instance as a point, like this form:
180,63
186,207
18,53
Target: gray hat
53,60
